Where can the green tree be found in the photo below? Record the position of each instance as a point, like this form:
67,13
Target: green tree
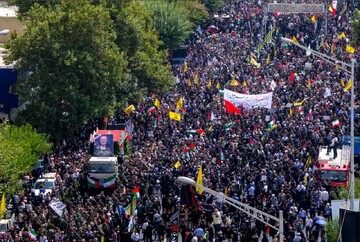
213,6
344,192
20,149
355,24
25,6
70,68
137,39
170,22
196,11
332,230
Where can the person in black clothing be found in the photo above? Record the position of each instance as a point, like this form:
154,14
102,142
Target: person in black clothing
148,233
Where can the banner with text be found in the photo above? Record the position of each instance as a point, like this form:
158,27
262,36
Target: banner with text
249,101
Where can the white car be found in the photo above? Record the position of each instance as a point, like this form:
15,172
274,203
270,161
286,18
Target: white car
44,185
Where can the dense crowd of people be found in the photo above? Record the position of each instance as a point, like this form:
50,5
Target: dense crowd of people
257,157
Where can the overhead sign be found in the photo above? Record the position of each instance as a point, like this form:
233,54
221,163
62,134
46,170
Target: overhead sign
249,101
296,8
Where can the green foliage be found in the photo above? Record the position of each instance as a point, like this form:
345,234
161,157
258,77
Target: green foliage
136,37
332,230
25,6
344,192
20,149
197,12
355,24
77,70
213,6
170,22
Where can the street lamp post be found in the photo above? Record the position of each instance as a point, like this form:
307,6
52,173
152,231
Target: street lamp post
335,62
252,212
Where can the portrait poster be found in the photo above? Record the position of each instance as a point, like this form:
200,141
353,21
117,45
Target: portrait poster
104,145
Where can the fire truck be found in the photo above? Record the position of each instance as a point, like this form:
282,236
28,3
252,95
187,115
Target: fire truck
336,171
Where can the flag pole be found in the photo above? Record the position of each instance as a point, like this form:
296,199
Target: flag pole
178,219
67,224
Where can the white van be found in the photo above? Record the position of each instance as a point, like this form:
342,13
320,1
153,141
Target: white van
6,224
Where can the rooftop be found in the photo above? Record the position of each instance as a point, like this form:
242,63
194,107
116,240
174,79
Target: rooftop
7,12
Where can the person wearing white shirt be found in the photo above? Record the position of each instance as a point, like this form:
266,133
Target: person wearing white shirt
308,225
135,237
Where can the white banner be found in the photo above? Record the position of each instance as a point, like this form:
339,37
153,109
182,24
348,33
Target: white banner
57,206
249,101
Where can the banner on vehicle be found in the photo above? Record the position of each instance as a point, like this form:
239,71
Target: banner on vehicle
249,101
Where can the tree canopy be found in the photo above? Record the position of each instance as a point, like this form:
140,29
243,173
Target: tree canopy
70,68
138,40
355,24
20,149
170,22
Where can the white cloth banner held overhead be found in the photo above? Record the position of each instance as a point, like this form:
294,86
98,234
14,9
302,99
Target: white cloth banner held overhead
57,206
249,101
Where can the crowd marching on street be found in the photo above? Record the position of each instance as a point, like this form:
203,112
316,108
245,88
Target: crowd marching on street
265,157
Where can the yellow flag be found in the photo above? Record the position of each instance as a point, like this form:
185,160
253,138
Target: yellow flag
244,84
348,85
309,84
268,60
189,82
175,116
2,205
330,9
199,180
226,190
177,164
342,35
295,40
313,19
291,112
342,82
299,103
210,128
129,109
308,161
185,66
196,79
157,103
218,85
275,52
234,83
209,85
253,62
179,104
350,49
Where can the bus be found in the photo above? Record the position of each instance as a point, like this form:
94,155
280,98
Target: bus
102,172
336,171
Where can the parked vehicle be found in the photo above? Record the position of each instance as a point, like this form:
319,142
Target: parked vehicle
43,186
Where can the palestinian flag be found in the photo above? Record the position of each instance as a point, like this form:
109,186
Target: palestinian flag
33,235
229,125
186,153
102,182
192,146
152,109
195,131
136,192
336,123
